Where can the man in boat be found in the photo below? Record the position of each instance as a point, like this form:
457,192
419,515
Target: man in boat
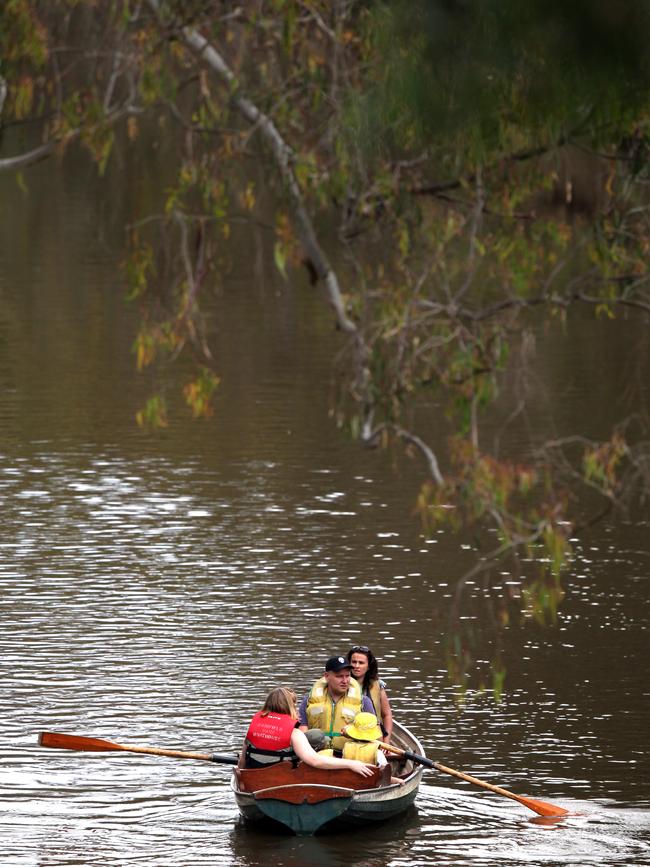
332,704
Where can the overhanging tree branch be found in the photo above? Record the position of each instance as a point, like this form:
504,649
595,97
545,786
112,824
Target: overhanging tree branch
371,437
207,53
29,158
42,152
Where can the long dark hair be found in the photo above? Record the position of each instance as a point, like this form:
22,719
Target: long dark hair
373,668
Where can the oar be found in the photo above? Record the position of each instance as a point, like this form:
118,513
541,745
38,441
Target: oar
540,807
78,742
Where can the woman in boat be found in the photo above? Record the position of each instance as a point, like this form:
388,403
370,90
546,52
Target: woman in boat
273,735
365,670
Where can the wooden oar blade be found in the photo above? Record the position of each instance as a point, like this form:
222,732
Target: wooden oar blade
98,745
60,741
542,808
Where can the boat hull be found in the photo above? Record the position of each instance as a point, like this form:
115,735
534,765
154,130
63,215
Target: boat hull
305,799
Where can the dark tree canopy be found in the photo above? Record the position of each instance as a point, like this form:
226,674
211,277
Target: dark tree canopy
477,69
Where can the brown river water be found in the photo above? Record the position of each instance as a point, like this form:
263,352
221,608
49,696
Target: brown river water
152,589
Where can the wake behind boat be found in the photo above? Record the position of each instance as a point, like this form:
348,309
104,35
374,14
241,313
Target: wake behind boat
305,799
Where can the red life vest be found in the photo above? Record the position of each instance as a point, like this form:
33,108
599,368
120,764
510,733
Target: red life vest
272,731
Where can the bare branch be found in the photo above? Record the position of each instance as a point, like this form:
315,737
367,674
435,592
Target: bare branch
46,150
284,158
371,438
29,158
3,93
550,300
520,156
472,243
313,13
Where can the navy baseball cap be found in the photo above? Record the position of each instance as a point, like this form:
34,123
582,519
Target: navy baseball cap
337,663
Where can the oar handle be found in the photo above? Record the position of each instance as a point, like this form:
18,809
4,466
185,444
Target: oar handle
407,754
224,759
420,760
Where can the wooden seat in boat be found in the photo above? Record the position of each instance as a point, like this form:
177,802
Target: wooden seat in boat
284,774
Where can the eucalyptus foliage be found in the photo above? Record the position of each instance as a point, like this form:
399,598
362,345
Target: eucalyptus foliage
441,137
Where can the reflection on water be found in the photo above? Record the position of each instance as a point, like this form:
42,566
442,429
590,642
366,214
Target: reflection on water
152,591
151,601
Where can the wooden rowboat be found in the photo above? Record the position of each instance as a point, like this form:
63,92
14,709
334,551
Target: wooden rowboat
305,799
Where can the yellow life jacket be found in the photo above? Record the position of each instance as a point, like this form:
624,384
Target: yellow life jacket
326,753
375,695
364,752
329,716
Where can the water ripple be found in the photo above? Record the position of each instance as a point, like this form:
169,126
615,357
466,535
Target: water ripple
152,602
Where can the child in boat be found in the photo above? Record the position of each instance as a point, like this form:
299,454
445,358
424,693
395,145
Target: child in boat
362,742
